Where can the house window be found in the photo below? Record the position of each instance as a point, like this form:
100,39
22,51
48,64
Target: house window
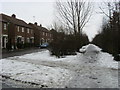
18,28
5,26
23,40
43,33
28,40
46,34
22,29
28,30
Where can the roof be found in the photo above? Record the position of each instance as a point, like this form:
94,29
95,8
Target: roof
2,19
35,26
39,28
14,20
44,29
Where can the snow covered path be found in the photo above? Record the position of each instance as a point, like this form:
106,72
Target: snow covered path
89,70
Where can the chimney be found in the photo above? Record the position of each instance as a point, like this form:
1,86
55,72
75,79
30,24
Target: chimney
35,23
40,25
13,15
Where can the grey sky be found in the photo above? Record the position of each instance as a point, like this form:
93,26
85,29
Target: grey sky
44,14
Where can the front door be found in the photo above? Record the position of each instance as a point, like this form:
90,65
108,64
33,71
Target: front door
4,41
19,40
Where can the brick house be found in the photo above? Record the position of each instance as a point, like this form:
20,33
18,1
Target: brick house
3,32
15,32
36,33
46,36
41,34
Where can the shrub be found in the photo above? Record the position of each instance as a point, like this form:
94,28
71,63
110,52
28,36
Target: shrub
67,44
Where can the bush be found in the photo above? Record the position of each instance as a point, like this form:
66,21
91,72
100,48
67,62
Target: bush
20,45
67,44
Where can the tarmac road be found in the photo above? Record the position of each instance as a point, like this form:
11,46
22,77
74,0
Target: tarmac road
6,54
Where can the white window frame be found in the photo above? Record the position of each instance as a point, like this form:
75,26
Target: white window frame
18,28
43,33
5,26
28,40
22,29
32,39
28,30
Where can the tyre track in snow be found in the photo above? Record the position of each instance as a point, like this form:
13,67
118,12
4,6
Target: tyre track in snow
86,74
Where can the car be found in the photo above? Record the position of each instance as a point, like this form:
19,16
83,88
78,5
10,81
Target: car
44,45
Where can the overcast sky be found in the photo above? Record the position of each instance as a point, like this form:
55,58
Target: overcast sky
43,13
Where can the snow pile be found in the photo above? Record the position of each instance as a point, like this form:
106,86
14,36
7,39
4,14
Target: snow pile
90,48
106,60
90,53
93,54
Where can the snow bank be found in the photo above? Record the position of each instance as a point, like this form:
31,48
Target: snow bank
90,48
92,53
106,60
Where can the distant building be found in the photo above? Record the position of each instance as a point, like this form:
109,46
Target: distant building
41,34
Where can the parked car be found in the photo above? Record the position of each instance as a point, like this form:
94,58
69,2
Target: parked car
44,45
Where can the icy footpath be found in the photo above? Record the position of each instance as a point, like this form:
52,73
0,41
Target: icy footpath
89,69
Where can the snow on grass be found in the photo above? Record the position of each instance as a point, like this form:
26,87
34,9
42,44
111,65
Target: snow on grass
43,55
38,74
91,69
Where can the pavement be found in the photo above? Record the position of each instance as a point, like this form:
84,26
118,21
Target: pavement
4,85
20,52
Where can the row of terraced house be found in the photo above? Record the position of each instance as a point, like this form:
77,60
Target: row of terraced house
16,33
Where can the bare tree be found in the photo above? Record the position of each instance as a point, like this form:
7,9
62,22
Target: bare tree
74,14
107,8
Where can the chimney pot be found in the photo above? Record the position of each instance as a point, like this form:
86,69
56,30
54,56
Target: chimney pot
35,23
40,25
13,15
